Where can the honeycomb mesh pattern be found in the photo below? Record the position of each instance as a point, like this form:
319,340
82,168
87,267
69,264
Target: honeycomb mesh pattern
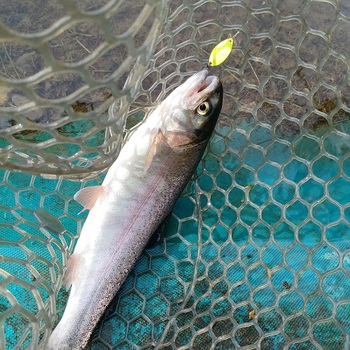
60,77
257,252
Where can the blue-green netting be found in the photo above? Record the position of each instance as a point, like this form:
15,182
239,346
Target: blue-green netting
252,270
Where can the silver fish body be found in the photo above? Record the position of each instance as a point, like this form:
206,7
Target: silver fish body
136,195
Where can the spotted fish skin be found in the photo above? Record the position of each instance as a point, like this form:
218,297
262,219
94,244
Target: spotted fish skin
136,195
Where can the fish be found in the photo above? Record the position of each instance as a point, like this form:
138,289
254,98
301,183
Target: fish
135,197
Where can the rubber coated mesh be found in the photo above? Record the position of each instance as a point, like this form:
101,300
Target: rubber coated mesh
257,252
62,65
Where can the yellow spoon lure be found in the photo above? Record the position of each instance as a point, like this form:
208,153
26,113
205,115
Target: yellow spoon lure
220,52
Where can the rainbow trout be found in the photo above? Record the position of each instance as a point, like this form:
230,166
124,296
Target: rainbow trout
136,195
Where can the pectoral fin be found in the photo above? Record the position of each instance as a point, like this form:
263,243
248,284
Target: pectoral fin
156,136
88,196
173,139
178,139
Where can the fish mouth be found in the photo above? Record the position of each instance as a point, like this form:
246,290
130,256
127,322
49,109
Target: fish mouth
208,85
199,88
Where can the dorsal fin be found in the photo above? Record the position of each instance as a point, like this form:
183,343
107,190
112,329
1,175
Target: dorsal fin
88,196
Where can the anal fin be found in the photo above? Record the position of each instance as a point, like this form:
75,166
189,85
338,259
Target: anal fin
73,261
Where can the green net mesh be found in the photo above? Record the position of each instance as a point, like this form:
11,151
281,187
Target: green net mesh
257,252
60,75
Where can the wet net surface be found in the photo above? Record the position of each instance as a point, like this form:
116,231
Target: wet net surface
257,252
62,66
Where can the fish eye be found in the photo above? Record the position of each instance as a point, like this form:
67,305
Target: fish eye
203,108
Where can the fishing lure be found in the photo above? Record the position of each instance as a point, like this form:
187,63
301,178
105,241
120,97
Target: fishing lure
220,52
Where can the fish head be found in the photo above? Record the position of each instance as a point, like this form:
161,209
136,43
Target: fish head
193,108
